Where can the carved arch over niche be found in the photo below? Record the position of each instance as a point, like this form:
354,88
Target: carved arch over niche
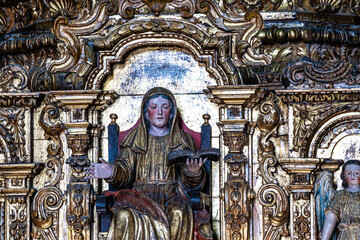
203,48
320,115
334,131
89,44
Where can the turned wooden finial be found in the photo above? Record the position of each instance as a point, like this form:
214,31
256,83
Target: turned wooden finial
206,118
113,117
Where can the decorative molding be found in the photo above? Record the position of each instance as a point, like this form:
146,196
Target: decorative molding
13,78
271,196
26,100
312,35
2,219
27,44
81,109
305,116
50,122
49,199
332,130
303,173
318,96
18,216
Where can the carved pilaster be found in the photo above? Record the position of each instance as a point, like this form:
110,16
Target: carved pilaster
302,174
81,118
236,130
15,192
237,197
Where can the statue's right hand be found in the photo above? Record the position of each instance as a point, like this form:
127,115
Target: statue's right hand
99,170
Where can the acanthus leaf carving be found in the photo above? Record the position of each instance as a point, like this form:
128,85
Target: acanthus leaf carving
73,32
12,133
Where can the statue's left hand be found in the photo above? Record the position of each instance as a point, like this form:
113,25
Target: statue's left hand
193,166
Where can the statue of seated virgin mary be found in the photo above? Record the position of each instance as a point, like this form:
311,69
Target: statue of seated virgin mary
156,205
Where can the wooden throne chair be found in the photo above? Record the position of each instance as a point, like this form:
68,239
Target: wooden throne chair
199,198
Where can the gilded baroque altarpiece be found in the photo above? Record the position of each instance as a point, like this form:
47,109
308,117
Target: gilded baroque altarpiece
279,78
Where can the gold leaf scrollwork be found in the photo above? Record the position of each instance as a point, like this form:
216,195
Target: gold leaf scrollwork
276,214
331,72
304,116
247,42
13,77
267,122
44,214
67,31
49,121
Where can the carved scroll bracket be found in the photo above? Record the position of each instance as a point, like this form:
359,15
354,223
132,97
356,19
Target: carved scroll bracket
271,196
15,192
80,108
302,173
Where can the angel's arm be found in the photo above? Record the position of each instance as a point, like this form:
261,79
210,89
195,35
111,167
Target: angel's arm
329,225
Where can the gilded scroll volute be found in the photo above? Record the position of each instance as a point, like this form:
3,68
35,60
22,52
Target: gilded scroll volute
271,196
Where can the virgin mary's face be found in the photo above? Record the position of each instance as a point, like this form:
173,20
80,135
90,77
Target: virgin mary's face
352,174
158,112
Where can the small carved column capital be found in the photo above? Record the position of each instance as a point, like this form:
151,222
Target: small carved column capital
302,174
235,141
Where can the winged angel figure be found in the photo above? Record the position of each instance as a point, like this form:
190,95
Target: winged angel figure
339,208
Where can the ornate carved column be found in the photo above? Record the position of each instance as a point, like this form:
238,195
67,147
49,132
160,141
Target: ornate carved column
82,117
16,170
302,176
235,125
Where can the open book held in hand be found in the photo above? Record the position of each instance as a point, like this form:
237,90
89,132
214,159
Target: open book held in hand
212,154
